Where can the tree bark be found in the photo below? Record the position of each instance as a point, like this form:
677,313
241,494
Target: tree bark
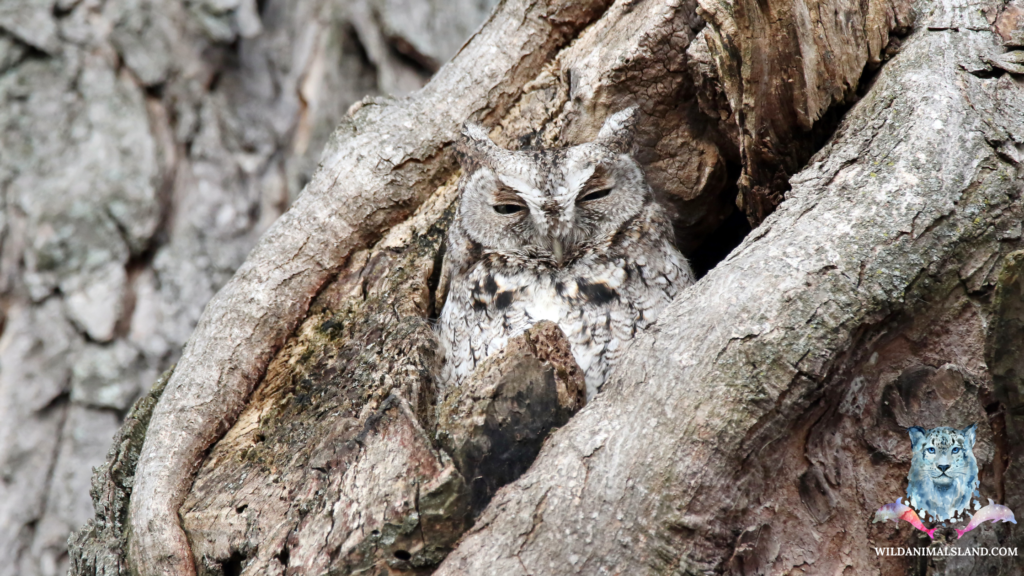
144,148
386,171
754,430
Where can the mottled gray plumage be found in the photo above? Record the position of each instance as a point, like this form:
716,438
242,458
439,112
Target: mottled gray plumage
571,235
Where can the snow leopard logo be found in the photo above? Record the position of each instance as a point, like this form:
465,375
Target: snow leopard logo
943,473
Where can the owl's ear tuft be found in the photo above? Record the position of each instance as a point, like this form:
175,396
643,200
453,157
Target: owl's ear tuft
619,129
474,145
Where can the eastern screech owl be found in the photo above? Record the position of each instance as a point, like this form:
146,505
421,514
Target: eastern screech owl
571,235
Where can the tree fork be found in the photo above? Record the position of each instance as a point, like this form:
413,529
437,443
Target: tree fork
760,425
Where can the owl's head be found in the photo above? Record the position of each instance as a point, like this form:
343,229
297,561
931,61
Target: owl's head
548,204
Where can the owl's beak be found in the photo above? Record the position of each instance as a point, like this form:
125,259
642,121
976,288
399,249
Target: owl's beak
557,251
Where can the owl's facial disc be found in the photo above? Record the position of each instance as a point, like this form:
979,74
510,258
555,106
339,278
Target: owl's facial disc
551,206
561,200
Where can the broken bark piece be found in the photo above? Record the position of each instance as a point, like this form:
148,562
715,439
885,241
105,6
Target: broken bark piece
494,425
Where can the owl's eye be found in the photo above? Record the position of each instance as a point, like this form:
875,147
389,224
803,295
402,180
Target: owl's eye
931,450
956,450
595,195
507,208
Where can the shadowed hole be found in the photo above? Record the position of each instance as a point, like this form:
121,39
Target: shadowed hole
233,565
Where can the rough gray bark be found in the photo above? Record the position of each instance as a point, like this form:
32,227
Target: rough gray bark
754,431
144,147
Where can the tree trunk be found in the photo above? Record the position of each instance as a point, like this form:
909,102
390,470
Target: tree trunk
754,430
759,427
